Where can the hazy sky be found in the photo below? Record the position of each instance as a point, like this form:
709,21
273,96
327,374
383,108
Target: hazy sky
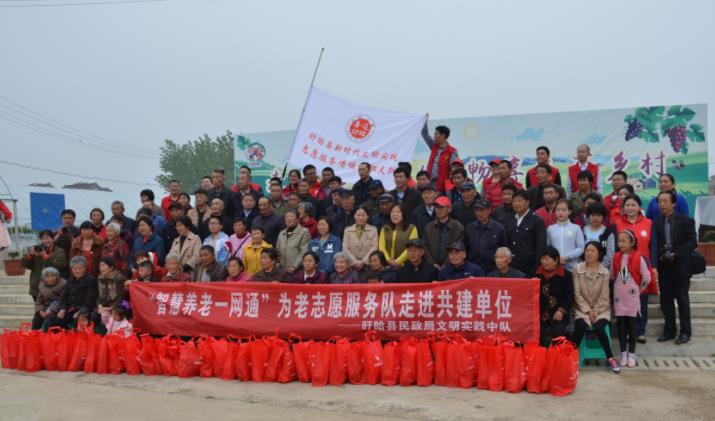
140,73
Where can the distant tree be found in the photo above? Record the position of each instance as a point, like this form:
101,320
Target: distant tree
190,161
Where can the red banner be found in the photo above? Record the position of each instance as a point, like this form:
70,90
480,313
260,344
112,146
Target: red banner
473,307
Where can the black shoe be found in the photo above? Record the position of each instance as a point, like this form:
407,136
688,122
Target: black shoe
666,338
642,340
682,339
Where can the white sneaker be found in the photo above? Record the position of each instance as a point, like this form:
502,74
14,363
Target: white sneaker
632,360
624,359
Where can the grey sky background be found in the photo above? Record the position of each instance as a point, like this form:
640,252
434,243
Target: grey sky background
140,73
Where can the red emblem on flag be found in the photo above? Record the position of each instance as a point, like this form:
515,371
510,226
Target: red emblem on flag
360,128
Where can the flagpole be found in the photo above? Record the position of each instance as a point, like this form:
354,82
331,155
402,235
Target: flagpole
300,120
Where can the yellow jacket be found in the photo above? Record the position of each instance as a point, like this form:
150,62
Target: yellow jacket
252,256
395,248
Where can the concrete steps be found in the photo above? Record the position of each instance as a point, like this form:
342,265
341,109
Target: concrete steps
697,311
16,305
695,297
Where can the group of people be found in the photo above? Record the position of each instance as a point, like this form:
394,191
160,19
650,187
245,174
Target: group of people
596,254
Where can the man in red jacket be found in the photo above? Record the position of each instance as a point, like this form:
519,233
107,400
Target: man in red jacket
173,196
442,154
493,190
543,155
618,180
582,153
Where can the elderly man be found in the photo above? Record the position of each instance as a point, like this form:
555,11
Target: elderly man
464,210
440,233
217,209
424,213
220,191
458,267
292,243
417,268
502,259
79,295
372,202
126,223
484,236
384,205
269,221
209,269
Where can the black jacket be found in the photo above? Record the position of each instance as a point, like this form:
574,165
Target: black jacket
80,294
482,242
464,213
503,214
409,202
341,220
272,225
526,241
379,220
683,241
425,272
556,293
362,190
420,218
226,195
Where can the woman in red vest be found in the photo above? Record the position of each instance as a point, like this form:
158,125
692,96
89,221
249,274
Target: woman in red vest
441,156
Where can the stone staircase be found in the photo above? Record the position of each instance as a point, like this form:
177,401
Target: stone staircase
16,305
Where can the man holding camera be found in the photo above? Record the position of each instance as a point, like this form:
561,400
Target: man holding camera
673,240
43,255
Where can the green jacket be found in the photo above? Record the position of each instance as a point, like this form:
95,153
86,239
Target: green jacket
57,259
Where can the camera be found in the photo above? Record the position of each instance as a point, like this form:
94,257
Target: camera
37,248
667,254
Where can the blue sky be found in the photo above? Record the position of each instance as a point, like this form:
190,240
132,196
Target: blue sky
140,73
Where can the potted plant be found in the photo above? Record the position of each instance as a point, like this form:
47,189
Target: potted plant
13,265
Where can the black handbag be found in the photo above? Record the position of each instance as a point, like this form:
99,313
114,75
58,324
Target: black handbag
697,263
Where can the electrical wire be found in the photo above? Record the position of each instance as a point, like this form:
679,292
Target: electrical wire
92,3
49,170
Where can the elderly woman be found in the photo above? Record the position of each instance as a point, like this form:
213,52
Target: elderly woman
291,243
186,245
592,309
310,273
48,297
173,270
380,266
270,268
110,291
80,294
146,240
305,215
360,240
89,245
556,295
236,271
96,217
116,248
42,256
344,274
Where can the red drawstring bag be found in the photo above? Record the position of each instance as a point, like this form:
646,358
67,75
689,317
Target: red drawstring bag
148,356
339,362
103,356
31,350
408,362
131,355
49,343
373,358
287,372
79,354
115,344
189,360
243,361
565,372
439,349
207,357
220,352
496,367
168,351
355,363
551,357
514,370
229,366
319,357
301,351
260,353
90,357
534,363
10,340
65,349
275,359
481,348
424,363
390,364
452,363
467,365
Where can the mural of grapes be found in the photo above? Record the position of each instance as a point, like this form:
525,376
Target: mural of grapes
653,123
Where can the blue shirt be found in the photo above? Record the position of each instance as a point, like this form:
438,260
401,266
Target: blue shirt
326,252
467,270
681,207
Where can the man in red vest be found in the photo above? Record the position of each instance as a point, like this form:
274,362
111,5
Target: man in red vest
582,153
442,154
543,155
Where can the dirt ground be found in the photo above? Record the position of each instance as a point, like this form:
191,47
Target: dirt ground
632,395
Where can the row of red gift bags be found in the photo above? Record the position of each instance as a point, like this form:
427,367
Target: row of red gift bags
490,363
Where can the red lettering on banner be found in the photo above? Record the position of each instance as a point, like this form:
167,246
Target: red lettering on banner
473,307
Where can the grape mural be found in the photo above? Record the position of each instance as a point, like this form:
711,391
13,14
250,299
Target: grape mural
653,123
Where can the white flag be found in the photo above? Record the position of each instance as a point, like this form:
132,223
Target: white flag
340,134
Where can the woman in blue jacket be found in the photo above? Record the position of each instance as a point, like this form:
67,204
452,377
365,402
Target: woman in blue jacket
325,245
666,182
147,240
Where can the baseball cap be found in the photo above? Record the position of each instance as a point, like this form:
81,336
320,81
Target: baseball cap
415,242
385,198
429,186
443,201
374,184
467,185
494,162
483,204
457,245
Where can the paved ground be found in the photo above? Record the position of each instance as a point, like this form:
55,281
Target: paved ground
633,395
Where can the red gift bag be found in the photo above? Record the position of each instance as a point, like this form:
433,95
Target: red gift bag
189,360
31,350
565,371
496,367
220,353
468,361
115,345
103,356
148,358
79,354
207,357
65,349
373,359
50,343
514,369
168,351
260,353
534,363
90,356
439,349
243,361
319,358
452,362
10,342
390,364
131,355
287,372
408,362
301,351
481,347
229,366
551,356
424,362
339,362
355,363
275,359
